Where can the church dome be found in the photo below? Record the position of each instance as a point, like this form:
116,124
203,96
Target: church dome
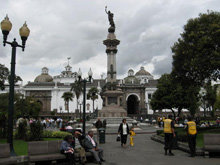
44,76
142,72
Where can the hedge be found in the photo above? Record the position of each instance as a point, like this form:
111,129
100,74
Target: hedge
54,134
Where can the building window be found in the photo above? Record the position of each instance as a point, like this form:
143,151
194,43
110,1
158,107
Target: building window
149,96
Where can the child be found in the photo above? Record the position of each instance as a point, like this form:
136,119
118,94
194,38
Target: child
132,134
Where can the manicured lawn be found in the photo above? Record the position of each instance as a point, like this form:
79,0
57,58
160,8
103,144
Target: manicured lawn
199,139
21,147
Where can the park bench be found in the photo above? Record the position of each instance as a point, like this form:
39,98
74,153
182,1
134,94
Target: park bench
211,143
39,151
5,157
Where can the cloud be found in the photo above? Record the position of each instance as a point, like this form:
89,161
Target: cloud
76,29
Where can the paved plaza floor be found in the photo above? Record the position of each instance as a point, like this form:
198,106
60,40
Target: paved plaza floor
147,152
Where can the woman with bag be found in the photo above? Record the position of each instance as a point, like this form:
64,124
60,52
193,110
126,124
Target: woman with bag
123,131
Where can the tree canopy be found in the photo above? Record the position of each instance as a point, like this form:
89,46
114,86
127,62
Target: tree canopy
77,88
93,94
170,94
196,54
5,75
24,107
67,96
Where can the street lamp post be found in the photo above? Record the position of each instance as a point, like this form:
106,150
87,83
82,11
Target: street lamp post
80,110
84,81
24,33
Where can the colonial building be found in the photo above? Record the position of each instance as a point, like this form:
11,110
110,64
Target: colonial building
48,90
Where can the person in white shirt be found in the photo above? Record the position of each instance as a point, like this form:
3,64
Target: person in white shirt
123,131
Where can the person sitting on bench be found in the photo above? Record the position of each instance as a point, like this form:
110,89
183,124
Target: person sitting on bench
91,146
67,149
78,146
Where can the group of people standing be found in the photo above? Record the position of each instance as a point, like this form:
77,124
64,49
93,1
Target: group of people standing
169,135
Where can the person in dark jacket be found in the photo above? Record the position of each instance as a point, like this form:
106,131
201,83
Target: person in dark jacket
91,146
67,149
123,131
98,123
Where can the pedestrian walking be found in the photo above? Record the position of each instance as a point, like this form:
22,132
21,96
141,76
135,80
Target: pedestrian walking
123,131
169,135
191,132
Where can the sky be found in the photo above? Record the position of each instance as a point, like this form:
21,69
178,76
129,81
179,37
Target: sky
147,29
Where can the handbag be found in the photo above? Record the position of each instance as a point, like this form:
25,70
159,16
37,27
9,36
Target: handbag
118,138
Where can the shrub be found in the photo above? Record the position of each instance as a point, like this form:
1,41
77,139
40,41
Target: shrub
55,134
47,134
60,134
36,131
21,130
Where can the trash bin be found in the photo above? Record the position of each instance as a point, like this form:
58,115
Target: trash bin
101,135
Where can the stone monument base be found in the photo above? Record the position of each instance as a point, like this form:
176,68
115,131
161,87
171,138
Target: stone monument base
112,111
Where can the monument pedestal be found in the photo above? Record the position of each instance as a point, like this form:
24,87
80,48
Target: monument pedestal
112,106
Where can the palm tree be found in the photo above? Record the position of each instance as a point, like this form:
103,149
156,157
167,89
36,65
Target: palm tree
77,88
93,94
67,96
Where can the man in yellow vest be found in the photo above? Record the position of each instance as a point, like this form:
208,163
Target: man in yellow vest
169,134
191,132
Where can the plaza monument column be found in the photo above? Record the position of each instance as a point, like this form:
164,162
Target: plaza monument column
111,92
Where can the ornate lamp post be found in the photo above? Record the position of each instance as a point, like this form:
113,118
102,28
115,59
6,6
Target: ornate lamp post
6,26
84,81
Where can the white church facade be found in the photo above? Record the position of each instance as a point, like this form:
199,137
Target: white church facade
48,90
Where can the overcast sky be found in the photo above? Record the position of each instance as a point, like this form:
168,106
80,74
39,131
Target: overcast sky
76,28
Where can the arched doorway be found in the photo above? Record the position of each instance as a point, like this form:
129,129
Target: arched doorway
41,104
132,105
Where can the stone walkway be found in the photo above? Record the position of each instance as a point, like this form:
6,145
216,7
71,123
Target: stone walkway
147,152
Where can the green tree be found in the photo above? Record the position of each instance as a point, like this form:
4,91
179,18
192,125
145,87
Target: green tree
67,96
77,89
3,114
162,98
4,72
5,75
24,107
171,94
93,94
217,102
196,55
27,107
